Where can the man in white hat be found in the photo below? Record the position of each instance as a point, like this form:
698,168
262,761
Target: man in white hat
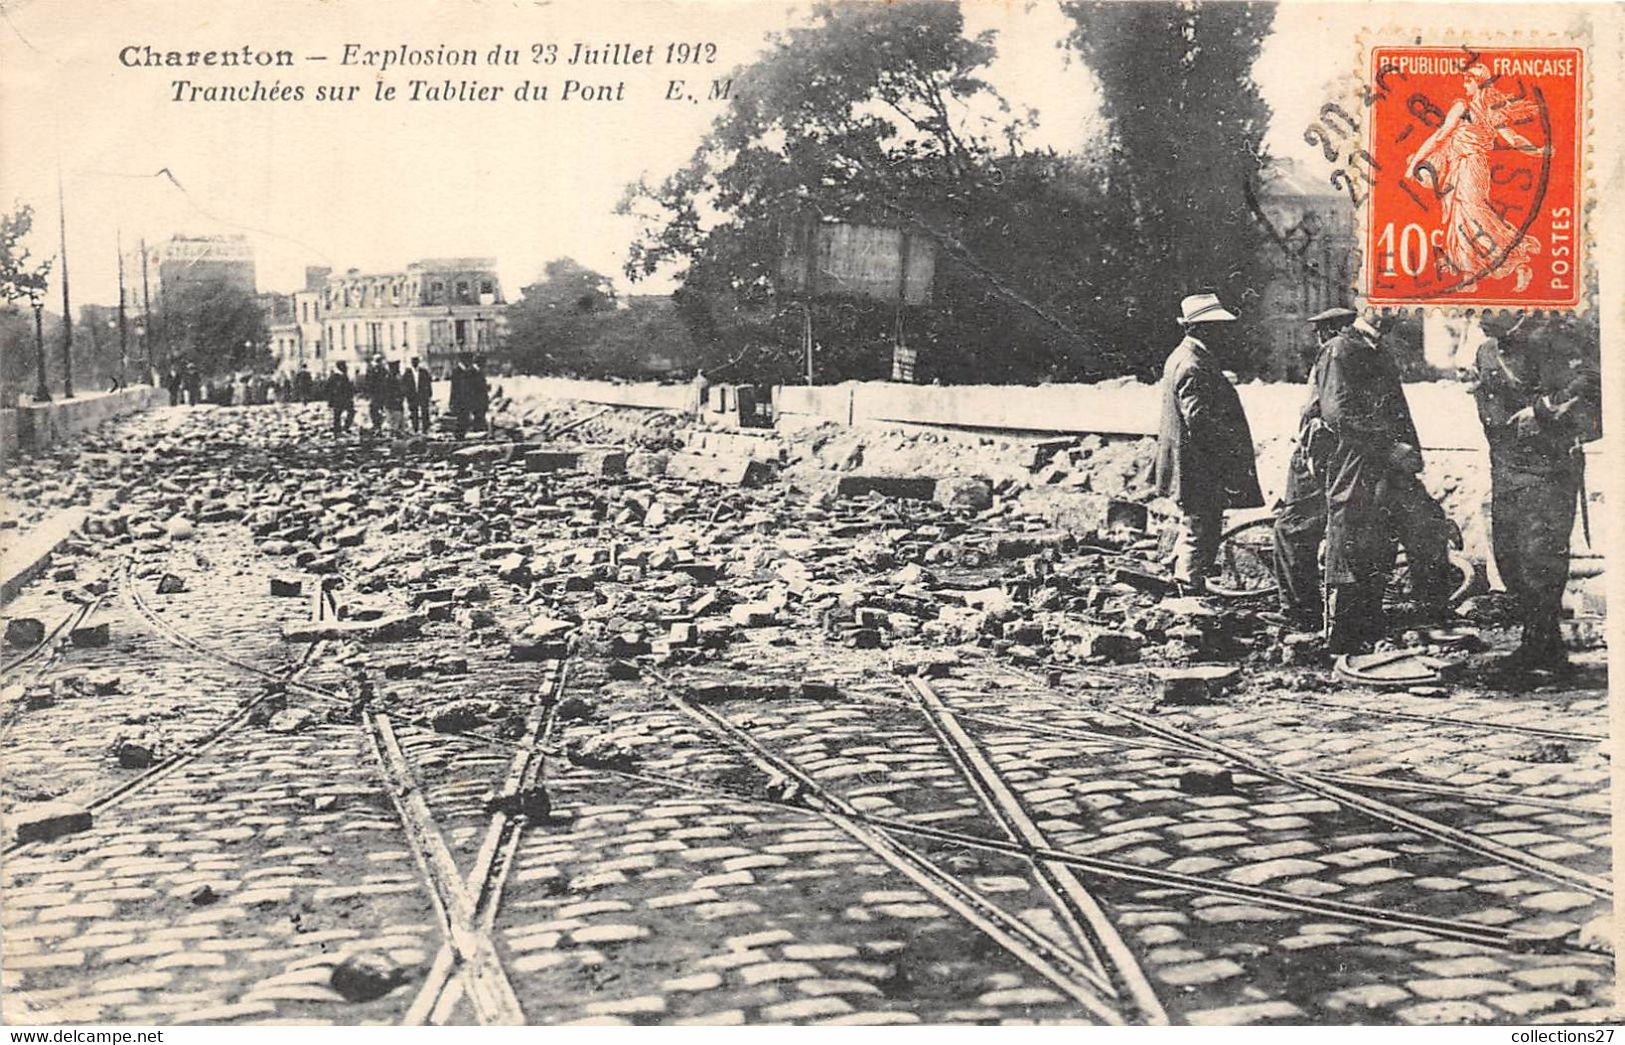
1204,446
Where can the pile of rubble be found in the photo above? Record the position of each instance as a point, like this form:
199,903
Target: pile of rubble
676,543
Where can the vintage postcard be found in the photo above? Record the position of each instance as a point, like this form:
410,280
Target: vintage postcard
816,512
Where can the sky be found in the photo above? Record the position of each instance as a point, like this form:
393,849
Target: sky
375,185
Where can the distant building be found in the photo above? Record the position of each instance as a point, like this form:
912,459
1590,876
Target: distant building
1314,252
152,270
434,310
296,329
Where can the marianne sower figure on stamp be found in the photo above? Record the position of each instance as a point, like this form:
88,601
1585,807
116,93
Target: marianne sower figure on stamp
1479,243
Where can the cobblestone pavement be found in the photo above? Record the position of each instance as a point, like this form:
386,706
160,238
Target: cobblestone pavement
421,734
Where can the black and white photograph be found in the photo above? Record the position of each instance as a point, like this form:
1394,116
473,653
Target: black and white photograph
993,513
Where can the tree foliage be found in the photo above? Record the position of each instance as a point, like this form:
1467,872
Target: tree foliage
19,276
572,322
214,324
1048,266
1187,125
874,114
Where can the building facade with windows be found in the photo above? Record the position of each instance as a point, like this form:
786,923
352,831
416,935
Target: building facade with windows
1314,252
296,331
152,270
434,310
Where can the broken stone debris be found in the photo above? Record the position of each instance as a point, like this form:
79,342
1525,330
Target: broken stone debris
44,821
291,720
1198,684
24,631
367,976
91,636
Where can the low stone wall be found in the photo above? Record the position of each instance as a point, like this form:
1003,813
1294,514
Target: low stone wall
1445,416
39,425
642,395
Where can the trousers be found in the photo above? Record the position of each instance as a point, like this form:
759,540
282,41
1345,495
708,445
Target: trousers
1300,526
1421,527
1531,520
1198,543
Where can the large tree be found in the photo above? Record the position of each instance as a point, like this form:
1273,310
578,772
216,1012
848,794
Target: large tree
572,322
1187,125
874,114
216,325
21,279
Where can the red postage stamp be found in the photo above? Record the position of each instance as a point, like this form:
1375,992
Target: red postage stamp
1477,203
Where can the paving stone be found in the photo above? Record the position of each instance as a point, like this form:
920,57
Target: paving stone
1456,987
805,1009
1237,1015
776,972
593,934
1197,973
1557,902
1445,1012
646,1005
721,1018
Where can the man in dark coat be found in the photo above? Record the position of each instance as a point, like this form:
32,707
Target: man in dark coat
1373,491
303,386
470,395
480,394
1204,445
420,395
194,385
1300,518
1539,398
341,398
392,394
176,384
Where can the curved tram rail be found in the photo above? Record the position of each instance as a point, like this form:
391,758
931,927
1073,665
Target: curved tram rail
815,796
467,963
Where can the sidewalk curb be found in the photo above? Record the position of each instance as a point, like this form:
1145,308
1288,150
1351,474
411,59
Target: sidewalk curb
22,561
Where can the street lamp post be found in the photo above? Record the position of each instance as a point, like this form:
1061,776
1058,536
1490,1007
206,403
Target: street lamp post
41,392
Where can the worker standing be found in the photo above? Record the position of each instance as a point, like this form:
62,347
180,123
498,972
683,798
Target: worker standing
1538,391
1205,458
1300,518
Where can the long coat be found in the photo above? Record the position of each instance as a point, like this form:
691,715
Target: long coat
1204,445
1363,405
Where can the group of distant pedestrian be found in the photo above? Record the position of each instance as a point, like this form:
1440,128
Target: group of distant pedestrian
1353,483
397,398
187,386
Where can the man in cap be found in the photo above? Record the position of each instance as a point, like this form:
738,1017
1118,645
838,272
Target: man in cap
1300,518
1539,398
341,398
1204,445
420,395
392,393
1374,493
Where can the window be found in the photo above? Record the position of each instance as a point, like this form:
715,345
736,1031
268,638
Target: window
462,291
487,287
